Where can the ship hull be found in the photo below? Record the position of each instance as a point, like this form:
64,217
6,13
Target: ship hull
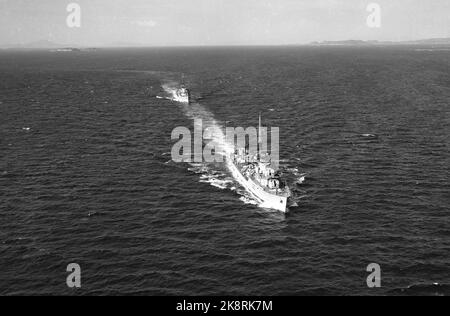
264,198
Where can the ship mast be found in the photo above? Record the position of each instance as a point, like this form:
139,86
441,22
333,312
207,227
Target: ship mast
259,137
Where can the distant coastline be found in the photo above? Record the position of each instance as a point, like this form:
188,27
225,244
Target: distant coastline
431,41
55,47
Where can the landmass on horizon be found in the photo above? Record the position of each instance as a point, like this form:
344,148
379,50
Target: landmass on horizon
45,44
430,41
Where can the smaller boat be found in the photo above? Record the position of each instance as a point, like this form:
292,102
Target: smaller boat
182,95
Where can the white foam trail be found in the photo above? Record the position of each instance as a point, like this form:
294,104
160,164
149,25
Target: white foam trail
301,179
248,200
369,135
218,183
196,111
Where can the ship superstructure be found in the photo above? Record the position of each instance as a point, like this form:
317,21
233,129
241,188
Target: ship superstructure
182,95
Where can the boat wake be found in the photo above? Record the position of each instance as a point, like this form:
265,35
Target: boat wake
169,88
426,289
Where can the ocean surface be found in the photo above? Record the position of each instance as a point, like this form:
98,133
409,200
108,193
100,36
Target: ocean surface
86,174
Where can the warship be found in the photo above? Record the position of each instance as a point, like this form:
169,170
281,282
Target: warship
258,175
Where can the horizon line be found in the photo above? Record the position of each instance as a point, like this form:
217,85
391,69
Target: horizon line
55,45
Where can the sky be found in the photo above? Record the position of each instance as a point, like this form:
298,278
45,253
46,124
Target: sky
219,22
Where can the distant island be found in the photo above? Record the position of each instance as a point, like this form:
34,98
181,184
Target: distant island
431,41
48,45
